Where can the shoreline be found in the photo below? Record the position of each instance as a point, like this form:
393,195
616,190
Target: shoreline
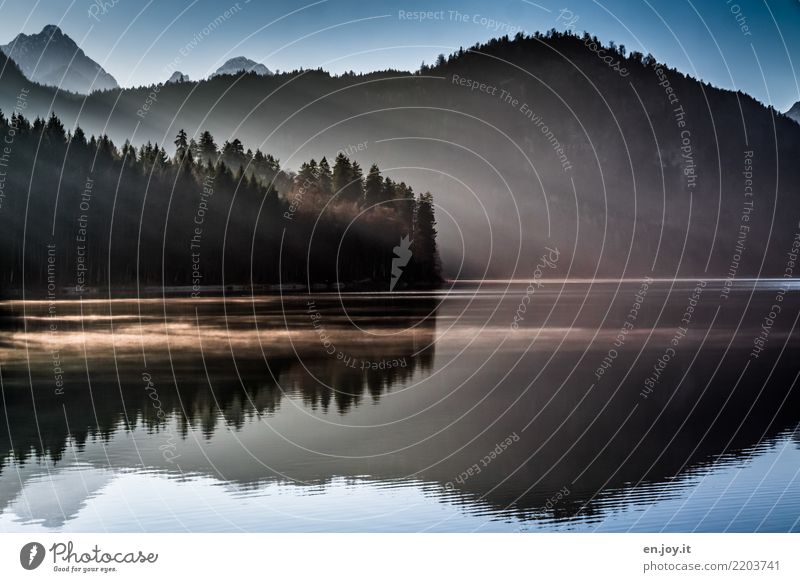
208,291
220,291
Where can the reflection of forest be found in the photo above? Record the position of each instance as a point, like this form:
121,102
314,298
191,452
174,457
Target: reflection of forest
226,369
109,407
584,440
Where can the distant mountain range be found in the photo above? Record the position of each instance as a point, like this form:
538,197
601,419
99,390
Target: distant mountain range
238,65
52,58
47,58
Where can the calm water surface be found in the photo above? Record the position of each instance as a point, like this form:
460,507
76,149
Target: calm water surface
405,411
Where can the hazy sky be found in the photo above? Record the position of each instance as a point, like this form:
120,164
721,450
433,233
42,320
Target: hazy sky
744,44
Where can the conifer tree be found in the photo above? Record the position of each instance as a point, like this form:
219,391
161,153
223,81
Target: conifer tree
342,174
374,185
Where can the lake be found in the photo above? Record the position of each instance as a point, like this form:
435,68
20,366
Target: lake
633,405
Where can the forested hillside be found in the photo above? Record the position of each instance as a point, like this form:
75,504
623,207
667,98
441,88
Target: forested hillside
80,215
628,166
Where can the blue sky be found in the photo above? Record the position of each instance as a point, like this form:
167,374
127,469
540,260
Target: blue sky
744,44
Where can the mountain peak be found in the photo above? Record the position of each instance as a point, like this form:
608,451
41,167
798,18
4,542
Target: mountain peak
52,30
53,58
178,77
238,65
50,34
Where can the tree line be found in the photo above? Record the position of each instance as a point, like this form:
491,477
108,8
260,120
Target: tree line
207,215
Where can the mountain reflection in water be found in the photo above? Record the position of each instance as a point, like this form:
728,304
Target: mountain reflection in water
401,412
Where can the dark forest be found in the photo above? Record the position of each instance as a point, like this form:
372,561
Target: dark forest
83,215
